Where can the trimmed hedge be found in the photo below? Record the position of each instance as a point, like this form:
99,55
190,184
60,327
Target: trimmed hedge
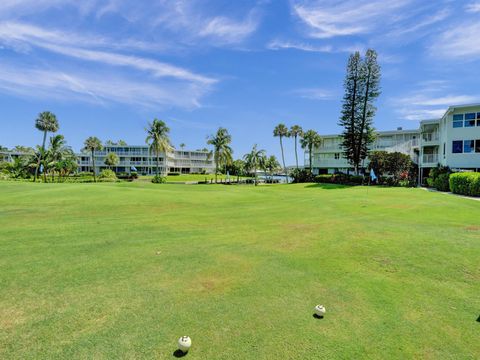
442,182
159,179
465,184
342,179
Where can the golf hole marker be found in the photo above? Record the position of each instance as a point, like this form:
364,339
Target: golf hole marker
184,343
319,310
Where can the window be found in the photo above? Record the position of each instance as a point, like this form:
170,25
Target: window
444,145
478,119
458,120
470,120
337,156
477,146
457,146
468,146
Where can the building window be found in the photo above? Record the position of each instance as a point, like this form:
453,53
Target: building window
477,146
478,119
444,146
457,146
337,156
470,120
468,146
458,120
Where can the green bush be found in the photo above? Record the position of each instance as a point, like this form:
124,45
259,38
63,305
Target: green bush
341,179
429,181
465,184
302,176
107,175
159,179
441,183
173,174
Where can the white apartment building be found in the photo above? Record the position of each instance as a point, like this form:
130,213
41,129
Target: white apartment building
453,140
139,158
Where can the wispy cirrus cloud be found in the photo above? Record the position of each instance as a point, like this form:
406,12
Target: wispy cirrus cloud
326,18
318,94
309,47
430,99
458,42
473,7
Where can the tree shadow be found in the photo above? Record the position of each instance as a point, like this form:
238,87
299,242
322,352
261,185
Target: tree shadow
179,353
317,316
478,319
328,186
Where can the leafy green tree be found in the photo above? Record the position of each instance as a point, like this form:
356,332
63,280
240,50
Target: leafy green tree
222,152
253,161
158,139
295,132
46,122
55,153
272,165
111,159
93,144
281,131
238,168
310,140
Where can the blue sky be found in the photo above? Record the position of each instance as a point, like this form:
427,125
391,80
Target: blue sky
106,68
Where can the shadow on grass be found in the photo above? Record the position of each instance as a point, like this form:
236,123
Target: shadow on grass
179,353
317,316
478,319
328,186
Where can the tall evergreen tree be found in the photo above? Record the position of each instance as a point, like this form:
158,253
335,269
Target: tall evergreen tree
351,109
370,74
362,88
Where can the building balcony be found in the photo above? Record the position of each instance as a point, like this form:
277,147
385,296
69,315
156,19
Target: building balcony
430,138
430,159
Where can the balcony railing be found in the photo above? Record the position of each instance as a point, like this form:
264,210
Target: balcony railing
430,158
429,137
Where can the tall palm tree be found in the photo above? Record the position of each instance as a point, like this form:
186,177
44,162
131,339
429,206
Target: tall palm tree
157,138
222,152
309,141
46,122
55,152
254,159
295,132
281,131
93,144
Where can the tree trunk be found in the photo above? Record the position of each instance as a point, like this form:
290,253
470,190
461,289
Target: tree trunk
255,174
364,117
310,158
283,157
296,155
40,156
93,163
216,167
158,161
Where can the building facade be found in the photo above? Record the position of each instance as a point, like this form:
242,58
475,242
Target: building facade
453,141
139,158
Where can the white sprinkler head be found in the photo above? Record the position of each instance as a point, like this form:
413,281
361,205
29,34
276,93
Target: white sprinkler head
184,343
319,310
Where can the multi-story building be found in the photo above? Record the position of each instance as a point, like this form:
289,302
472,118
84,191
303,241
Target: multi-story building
139,158
453,140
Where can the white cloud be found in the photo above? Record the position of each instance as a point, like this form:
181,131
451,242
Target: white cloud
93,88
458,42
330,18
429,100
314,94
473,7
227,30
281,45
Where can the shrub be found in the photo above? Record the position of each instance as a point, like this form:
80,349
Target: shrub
441,183
107,175
302,176
465,183
341,179
173,174
429,181
324,179
159,179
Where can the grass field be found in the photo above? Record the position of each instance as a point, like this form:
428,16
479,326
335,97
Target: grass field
122,270
190,178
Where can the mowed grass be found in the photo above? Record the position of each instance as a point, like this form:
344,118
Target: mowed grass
121,271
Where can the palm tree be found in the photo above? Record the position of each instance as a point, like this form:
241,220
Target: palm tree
272,165
295,132
158,140
46,122
222,152
111,160
254,159
55,152
182,146
309,141
93,144
281,131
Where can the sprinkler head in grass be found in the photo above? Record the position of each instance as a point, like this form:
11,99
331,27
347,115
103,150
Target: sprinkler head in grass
184,344
319,311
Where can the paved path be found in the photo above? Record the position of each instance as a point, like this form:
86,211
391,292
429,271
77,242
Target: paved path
450,193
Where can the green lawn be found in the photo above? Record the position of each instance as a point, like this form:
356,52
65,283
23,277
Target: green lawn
122,270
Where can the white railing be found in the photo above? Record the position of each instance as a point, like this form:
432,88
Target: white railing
430,158
428,137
